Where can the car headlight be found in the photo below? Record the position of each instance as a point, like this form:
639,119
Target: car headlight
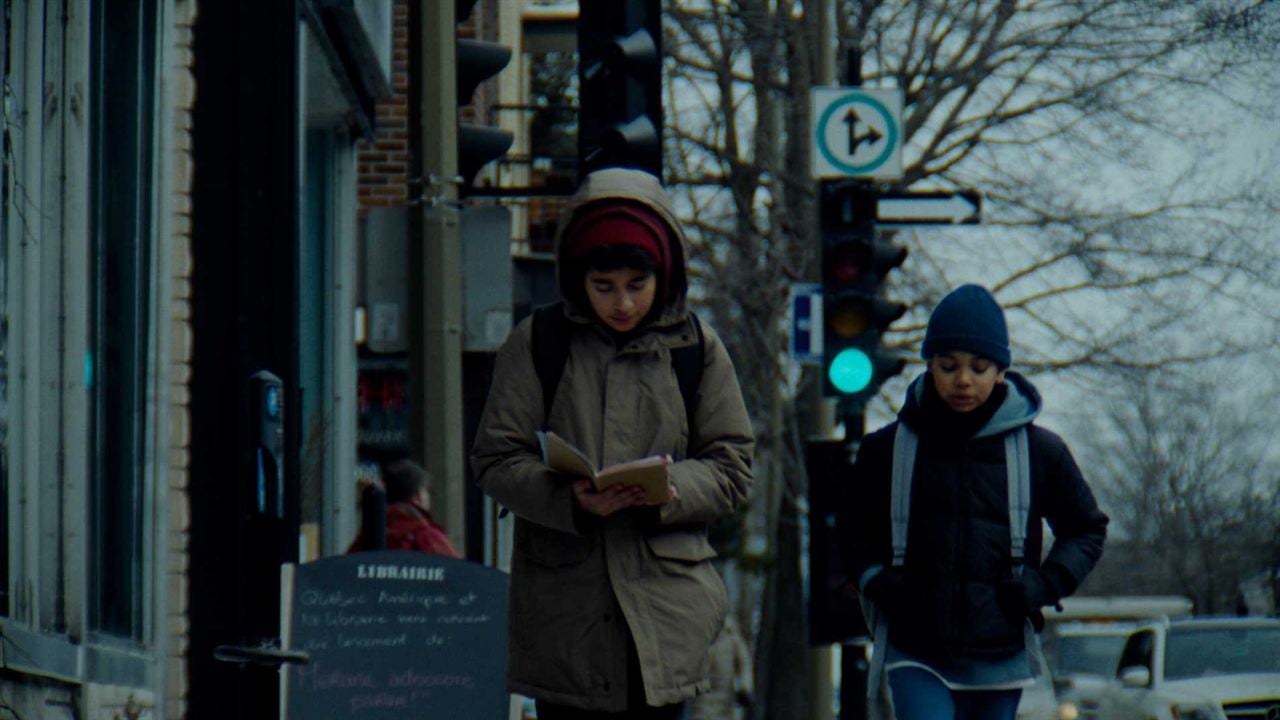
1068,711
1192,712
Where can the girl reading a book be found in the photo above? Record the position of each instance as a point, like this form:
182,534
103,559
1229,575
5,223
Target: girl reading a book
614,601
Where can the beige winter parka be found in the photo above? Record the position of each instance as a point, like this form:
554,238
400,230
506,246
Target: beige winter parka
576,579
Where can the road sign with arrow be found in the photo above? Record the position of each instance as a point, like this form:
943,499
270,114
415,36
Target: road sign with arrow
929,208
857,132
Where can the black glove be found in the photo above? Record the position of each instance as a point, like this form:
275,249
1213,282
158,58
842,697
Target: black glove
1024,595
892,586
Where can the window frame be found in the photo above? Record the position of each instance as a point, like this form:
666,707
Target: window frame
122,332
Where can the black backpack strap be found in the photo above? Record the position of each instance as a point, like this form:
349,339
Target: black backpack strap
550,347
687,363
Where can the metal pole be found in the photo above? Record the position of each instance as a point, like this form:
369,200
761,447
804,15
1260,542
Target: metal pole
854,68
853,664
436,286
827,37
821,683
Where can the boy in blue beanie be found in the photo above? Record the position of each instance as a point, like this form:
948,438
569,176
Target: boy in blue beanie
951,572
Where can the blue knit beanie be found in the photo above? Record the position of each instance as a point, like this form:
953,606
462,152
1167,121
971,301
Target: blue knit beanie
968,319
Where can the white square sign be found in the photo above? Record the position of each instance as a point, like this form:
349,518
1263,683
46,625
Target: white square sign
857,132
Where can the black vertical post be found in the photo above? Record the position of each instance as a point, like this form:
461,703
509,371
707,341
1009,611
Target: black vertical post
834,616
854,418
477,376
373,517
853,67
855,422
853,662
244,224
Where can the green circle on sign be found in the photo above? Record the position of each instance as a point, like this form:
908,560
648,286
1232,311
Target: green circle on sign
891,135
850,371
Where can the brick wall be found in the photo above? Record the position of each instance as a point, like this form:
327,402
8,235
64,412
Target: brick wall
383,168
183,92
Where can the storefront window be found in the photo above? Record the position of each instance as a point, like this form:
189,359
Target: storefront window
123,100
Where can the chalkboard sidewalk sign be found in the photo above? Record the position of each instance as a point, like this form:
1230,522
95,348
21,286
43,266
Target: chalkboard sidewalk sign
395,634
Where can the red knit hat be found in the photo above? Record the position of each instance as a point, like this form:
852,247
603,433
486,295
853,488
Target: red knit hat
611,223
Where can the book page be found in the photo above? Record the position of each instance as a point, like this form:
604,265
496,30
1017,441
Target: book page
649,473
563,457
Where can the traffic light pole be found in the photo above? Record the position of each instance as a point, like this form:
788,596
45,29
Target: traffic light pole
821,683
853,663
435,313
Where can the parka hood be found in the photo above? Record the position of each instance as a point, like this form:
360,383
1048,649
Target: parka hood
1021,404
640,187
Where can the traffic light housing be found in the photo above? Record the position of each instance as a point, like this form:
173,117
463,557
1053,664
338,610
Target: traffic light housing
855,262
477,61
620,83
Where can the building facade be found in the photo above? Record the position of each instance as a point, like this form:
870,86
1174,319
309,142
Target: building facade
205,223
178,236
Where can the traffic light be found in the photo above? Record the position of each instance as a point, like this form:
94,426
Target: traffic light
477,61
620,82
855,314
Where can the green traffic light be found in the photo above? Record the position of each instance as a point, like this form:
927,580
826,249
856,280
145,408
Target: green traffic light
850,371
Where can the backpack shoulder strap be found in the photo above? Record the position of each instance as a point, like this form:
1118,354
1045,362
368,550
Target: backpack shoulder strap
905,442
550,347
1018,472
687,363
1017,459
1017,456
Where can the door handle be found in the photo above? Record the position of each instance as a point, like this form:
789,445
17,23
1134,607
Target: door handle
267,653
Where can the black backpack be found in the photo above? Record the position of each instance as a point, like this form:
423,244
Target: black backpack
551,330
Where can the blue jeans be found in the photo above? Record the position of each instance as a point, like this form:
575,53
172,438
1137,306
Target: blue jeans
920,695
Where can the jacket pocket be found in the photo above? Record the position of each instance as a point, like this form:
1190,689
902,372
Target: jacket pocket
685,545
687,600
987,625
551,548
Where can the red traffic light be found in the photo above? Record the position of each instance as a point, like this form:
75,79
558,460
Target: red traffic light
850,261
847,263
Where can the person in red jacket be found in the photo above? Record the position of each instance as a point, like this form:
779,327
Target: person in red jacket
409,522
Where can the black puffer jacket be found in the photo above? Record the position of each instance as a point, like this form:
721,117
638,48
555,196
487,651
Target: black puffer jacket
958,546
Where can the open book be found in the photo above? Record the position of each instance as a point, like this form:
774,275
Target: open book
649,473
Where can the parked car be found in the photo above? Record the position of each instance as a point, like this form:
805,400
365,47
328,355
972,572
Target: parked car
1117,608
1084,658
1083,637
1197,669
